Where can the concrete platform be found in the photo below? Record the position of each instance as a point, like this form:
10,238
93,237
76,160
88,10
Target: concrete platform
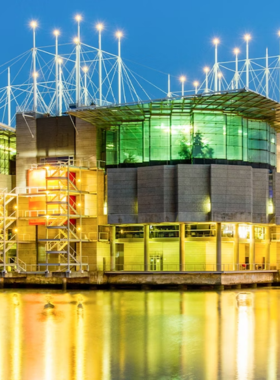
191,278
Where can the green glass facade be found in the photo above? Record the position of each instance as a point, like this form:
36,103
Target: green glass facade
7,152
189,136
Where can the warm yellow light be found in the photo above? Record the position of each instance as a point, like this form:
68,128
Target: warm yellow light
56,32
220,75
76,40
183,78
119,34
60,60
78,18
236,51
99,26
15,207
47,167
79,228
195,83
16,230
47,216
35,74
121,231
247,37
85,69
216,41
279,33
206,69
34,24
79,204
79,179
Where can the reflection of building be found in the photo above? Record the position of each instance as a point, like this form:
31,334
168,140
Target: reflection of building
185,184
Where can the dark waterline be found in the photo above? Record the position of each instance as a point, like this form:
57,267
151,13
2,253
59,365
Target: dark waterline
87,335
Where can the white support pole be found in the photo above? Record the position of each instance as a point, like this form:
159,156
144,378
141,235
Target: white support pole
9,97
85,70
247,39
220,82
236,51
168,86
56,33
34,25
119,36
78,60
60,89
216,42
183,79
266,74
206,70
100,66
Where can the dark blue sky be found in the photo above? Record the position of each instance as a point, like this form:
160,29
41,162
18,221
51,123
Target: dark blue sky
171,36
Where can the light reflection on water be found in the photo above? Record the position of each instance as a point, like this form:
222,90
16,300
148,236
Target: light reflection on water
95,335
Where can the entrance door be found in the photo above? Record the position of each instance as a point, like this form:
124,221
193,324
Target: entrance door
155,262
119,256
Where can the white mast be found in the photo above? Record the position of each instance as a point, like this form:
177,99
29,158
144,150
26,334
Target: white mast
34,25
236,52
183,80
266,74
119,36
60,89
195,83
220,81
206,70
85,70
168,86
56,33
9,97
78,18
247,38
216,42
100,27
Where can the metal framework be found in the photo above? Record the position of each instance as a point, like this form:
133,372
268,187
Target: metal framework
66,208
55,78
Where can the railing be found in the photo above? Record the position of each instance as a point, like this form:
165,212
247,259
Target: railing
162,267
104,236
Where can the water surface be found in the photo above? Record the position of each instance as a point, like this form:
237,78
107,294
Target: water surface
55,335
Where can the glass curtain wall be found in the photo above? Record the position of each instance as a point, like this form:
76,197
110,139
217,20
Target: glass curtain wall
185,136
7,152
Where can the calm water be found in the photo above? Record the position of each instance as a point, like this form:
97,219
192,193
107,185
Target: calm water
139,335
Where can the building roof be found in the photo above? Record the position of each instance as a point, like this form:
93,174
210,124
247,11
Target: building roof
241,102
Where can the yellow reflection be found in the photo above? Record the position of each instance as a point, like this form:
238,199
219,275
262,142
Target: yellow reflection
80,342
245,341
16,338
50,346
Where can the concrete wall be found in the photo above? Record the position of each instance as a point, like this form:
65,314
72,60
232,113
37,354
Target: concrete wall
7,181
260,195
156,187
190,193
193,192
26,147
55,137
122,196
231,193
88,140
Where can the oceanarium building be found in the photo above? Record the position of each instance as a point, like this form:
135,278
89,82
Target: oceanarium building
185,184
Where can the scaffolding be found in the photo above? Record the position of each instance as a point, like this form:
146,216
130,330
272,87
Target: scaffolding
69,197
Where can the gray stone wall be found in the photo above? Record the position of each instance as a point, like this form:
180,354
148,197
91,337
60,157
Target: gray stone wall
122,195
26,147
156,194
260,195
193,192
231,193
190,193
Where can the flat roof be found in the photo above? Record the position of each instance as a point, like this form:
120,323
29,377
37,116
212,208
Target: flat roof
241,102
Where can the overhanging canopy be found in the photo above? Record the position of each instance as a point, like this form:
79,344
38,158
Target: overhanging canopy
241,102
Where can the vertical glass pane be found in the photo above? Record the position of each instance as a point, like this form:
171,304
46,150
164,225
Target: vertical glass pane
258,144
160,138
112,147
131,143
181,137
234,137
146,140
272,146
209,139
